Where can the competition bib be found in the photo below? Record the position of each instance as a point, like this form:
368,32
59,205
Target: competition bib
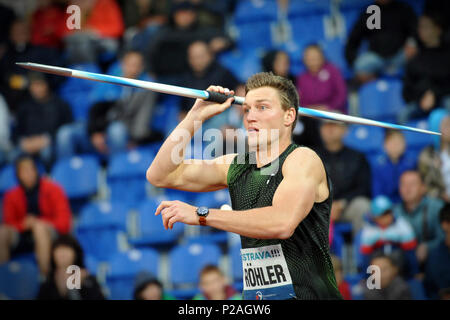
265,274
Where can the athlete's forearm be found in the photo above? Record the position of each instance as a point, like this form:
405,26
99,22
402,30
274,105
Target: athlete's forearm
260,223
171,154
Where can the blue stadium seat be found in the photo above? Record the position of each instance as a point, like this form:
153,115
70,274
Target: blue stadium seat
354,281
165,116
334,52
126,175
77,175
234,254
185,264
354,4
91,263
255,11
308,29
381,99
100,228
213,199
185,196
304,8
337,244
415,140
253,35
150,230
19,280
123,268
242,63
366,139
76,92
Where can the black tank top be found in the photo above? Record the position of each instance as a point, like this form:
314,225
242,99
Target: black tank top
307,251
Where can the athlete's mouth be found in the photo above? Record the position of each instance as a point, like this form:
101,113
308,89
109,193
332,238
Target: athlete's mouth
253,129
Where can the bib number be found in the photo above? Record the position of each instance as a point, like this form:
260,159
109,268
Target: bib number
265,274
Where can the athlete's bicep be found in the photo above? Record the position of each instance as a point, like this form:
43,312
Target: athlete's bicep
203,175
297,192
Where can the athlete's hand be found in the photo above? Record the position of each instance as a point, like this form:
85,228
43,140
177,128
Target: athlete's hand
203,110
177,211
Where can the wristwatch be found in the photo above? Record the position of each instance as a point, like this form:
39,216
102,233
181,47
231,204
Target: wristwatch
202,213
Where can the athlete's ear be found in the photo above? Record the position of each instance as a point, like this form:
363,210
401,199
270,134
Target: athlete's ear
289,117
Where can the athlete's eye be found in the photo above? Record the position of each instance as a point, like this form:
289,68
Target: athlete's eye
262,107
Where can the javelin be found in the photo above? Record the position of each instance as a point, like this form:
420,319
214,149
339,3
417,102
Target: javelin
206,95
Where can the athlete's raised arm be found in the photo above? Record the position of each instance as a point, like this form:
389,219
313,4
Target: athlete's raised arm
304,182
169,170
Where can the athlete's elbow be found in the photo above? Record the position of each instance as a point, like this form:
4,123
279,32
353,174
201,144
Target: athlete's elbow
284,231
155,179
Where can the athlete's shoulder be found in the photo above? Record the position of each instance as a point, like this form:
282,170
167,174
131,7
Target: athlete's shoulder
304,155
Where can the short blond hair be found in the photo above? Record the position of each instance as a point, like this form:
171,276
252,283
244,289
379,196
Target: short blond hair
287,91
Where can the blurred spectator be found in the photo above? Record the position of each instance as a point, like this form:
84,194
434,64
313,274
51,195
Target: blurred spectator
167,50
147,287
48,23
204,70
434,160
38,119
34,213
213,286
7,16
389,46
421,212
343,286
384,232
278,62
66,252
142,19
142,13
437,268
350,173
321,85
388,166
427,78
393,287
211,13
5,132
13,80
439,8
101,27
121,118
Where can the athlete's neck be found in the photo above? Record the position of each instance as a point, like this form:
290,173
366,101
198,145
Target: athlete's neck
271,152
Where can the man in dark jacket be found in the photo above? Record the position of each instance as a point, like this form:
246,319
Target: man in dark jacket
167,50
388,46
349,173
38,119
34,213
427,78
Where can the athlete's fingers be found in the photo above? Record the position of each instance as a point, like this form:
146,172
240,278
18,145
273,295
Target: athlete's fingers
166,216
226,104
162,205
171,221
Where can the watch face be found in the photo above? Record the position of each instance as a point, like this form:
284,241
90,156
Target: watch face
202,211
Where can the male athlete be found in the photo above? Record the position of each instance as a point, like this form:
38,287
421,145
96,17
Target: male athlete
281,197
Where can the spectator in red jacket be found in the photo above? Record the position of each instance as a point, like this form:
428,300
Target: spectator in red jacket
101,26
34,213
48,23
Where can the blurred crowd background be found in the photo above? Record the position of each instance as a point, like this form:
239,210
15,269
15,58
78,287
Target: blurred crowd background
73,153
